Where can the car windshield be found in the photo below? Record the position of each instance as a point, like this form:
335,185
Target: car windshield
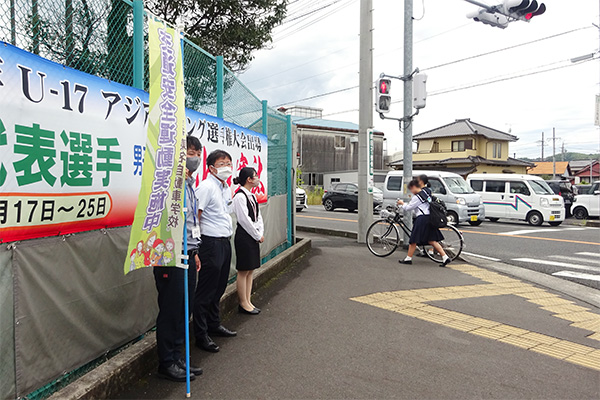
458,185
540,187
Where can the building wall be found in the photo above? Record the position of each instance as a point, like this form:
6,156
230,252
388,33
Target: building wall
425,147
319,154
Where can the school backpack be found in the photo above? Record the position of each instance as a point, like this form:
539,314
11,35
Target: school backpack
437,209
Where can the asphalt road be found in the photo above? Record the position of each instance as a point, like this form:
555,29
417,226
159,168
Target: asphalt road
567,251
314,340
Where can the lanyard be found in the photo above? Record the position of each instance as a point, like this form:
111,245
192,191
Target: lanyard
188,189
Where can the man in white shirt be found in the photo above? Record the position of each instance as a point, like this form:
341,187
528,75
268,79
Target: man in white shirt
214,207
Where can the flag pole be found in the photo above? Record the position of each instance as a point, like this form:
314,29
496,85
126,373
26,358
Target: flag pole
188,392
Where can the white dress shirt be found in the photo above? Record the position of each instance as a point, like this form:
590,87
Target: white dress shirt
417,206
240,207
214,200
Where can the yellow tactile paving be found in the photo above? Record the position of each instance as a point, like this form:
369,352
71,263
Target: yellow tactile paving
414,303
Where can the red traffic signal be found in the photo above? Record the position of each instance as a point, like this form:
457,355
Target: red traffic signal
384,86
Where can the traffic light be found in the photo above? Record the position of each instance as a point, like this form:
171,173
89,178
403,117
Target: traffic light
524,10
384,100
488,18
419,91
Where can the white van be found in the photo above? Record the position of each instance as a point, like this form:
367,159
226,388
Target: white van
464,205
523,197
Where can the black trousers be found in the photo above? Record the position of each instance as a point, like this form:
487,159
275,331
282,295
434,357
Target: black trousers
215,259
170,323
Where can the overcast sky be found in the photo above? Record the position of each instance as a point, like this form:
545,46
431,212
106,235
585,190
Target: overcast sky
324,57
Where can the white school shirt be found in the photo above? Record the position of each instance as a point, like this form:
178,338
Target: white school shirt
240,207
214,200
417,206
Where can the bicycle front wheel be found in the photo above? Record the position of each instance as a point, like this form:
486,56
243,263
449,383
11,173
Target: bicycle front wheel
452,244
383,238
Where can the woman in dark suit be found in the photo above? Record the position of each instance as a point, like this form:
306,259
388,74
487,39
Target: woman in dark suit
248,236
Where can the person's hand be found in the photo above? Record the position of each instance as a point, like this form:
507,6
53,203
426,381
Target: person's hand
188,174
400,202
262,239
198,265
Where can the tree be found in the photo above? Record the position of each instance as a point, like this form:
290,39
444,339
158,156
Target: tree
231,28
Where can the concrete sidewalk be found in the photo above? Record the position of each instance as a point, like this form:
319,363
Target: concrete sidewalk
345,324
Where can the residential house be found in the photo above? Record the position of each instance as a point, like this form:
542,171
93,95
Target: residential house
465,147
589,173
546,169
327,150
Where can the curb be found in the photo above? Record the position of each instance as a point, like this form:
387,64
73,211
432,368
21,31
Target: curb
137,360
326,231
572,289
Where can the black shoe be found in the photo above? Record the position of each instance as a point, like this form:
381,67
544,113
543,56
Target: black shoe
173,373
448,261
242,310
408,262
222,331
193,370
206,343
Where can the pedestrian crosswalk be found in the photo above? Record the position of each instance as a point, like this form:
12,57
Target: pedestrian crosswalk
583,266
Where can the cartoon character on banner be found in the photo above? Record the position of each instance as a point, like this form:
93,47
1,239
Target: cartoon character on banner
137,257
148,246
168,254
259,191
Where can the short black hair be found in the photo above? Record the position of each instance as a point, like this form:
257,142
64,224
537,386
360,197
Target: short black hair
217,155
423,178
413,183
245,174
194,142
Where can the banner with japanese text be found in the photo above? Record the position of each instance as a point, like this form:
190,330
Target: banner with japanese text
157,231
72,148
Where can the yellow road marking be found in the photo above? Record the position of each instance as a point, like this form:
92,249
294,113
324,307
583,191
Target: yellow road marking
413,303
326,218
530,237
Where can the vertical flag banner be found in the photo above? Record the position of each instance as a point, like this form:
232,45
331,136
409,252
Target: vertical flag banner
157,231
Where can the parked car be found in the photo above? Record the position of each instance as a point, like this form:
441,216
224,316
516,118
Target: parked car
582,189
521,197
588,205
300,199
464,205
345,195
565,189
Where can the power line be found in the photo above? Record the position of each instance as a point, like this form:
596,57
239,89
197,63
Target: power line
318,95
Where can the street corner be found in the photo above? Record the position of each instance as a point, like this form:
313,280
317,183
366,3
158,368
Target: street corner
428,304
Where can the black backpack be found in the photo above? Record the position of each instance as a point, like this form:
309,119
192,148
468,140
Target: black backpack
437,209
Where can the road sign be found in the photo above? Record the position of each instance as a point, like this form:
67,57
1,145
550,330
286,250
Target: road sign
370,162
597,110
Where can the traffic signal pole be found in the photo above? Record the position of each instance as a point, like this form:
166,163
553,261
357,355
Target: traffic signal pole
407,164
365,118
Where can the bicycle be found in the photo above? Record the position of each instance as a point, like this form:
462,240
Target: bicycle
383,237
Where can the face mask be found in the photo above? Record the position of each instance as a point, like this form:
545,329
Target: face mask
224,173
192,164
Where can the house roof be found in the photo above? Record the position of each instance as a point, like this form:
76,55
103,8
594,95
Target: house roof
547,168
577,165
462,127
448,162
586,170
327,124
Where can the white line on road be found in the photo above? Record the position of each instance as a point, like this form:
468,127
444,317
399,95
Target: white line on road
578,275
545,230
557,264
480,256
589,254
577,259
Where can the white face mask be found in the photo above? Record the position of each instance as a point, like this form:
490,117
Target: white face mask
224,173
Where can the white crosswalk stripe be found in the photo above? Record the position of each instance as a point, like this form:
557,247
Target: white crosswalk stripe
577,259
588,254
557,264
577,275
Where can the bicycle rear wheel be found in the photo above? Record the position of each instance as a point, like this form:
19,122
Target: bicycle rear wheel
452,244
383,238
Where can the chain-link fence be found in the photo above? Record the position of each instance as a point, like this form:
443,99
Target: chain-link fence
108,39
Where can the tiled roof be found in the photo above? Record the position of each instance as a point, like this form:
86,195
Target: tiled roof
547,168
474,160
465,127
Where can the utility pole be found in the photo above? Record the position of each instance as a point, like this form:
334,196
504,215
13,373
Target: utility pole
553,153
562,152
365,117
543,144
407,164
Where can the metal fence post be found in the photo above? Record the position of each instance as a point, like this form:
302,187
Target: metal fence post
220,86
138,44
289,175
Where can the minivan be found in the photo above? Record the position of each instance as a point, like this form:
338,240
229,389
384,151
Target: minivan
522,197
464,205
